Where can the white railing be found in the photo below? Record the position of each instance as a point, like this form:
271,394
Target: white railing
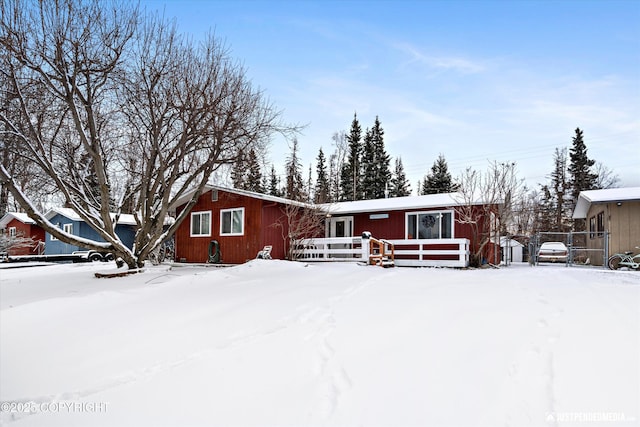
432,252
331,249
408,252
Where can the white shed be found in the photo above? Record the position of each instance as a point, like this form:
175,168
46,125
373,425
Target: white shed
512,250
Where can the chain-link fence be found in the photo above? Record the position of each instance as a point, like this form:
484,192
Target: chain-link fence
583,248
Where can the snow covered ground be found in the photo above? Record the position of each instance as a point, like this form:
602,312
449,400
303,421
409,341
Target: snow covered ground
295,344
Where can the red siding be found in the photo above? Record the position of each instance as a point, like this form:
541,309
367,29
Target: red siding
26,230
394,228
259,215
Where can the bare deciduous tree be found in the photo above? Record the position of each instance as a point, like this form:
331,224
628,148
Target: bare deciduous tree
487,204
121,113
299,221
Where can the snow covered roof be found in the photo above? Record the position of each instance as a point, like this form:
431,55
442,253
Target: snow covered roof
397,203
609,195
125,219
20,216
187,196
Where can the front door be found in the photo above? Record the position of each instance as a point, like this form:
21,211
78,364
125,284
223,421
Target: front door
341,226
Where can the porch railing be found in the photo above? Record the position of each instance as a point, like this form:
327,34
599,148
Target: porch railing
407,252
331,249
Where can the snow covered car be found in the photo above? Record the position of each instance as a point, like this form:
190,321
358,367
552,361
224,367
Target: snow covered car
552,252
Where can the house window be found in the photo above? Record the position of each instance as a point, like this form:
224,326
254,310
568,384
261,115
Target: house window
430,225
596,225
200,224
12,232
67,228
232,222
600,224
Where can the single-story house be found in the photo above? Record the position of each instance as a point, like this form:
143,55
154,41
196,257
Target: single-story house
69,221
425,229
615,211
232,226
18,224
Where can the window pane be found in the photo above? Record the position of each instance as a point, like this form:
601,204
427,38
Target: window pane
205,223
237,221
226,222
429,226
195,224
447,229
411,227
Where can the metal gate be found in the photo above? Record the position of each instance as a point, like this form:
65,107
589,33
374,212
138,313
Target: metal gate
584,248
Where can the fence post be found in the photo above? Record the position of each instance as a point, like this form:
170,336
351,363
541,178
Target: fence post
366,236
606,249
570,249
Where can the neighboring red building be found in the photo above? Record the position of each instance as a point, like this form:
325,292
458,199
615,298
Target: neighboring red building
243,222
17,224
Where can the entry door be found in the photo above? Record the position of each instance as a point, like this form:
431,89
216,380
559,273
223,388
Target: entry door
340,226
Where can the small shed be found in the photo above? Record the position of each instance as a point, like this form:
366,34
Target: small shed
18,224
512,250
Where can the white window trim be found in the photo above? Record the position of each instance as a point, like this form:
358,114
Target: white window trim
13,231
68,228
191,224
222,211
453,220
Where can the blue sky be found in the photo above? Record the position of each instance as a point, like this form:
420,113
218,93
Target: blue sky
476,81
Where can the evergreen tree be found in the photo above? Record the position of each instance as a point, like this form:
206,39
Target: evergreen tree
253,173
559,189
239,172
350,172
294,189
322,180
399,186
545,218
382,161
580,176
439,180
369,168
274,183
310,188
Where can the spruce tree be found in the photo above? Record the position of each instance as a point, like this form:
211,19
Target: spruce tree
580,176
350,172
399,186
294,189
253,174
238,171
439,180
559,190
274,183
545,217
322,180
382,161
369,167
